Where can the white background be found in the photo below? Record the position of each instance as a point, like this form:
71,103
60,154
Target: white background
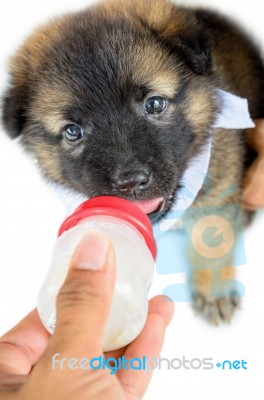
29,218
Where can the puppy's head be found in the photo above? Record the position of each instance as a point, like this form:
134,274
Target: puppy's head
115,100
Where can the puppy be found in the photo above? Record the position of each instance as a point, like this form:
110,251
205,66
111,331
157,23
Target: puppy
118,99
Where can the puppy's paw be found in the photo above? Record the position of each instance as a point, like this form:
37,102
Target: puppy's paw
216,310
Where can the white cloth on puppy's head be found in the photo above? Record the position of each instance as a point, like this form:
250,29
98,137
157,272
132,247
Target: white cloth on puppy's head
234,115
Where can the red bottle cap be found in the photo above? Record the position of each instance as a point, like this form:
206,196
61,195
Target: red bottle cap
114,207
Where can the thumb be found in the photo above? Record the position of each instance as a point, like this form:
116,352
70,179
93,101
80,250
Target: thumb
84,300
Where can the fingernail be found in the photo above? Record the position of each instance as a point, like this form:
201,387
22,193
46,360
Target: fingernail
167,298
92,252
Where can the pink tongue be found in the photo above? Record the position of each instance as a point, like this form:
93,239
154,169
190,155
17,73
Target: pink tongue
149,206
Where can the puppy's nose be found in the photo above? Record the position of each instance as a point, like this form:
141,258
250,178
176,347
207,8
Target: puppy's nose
132,181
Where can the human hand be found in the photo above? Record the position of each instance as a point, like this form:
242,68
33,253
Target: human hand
253,196
83,304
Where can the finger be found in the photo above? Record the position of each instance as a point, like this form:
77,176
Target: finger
23,345
255,136
148,344
163,306
84,300
253,195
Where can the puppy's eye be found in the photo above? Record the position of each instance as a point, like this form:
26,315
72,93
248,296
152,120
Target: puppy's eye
72,132
155,105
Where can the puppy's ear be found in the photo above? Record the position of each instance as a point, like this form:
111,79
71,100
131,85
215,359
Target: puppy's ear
13,110
22,65
181,33
194,47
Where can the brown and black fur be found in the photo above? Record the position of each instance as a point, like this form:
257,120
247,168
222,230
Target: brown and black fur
96,68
